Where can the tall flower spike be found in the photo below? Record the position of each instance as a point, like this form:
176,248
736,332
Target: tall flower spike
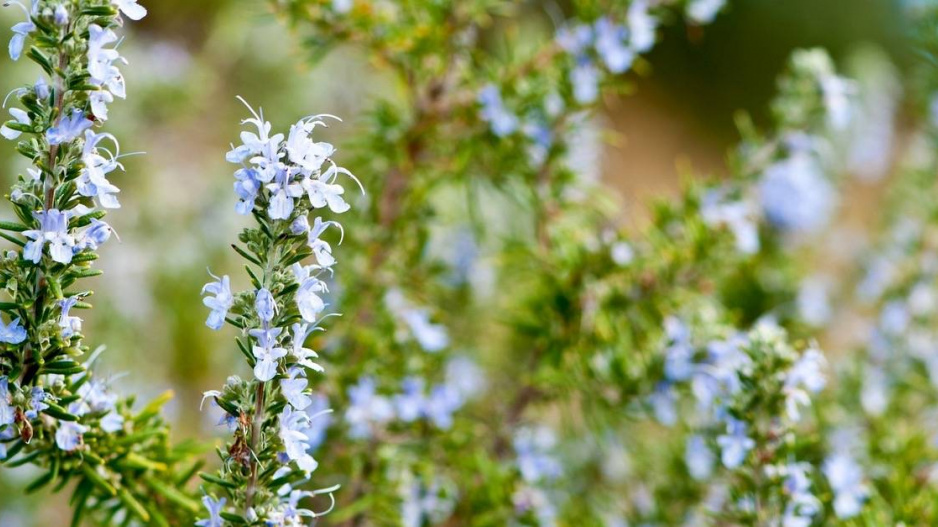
53,412
283,181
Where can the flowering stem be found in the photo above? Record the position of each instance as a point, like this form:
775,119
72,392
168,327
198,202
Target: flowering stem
259,401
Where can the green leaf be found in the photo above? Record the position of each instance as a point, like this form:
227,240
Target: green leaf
97,480
172,495
133,505
244,254
218,481
58,412
42,59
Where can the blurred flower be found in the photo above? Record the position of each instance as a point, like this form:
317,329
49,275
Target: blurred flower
265,305
735,444
366,409
534,446
21,31
215,508
846,479
68,324
699,458
795,193
69,435
738,216
20,117
69,128
220,303
131,9
704,11
642,26
500,119
612,47
267,353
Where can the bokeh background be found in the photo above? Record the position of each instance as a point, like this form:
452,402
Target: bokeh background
190,58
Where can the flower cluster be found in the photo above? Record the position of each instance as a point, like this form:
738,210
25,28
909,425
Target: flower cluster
725,412
275,418
369,412
53,412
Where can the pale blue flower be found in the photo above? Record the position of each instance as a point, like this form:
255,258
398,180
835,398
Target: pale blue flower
41,88
612,47
424,503
324,194
642,26
342,6
575,40
411,402
20,117
894,318
93,182
112,423
679,355
300,225
53,229
465,377
69,128
494,112
585,80
302,354
131,9
802,504
21,32
265,305
60,15
5,435
99,103
431,337
838,94
268,353
319,227
807,375
101,61
813,300
366,409
662,402
704,11
37,402
323,253
95,235
699,458
309,155
440,405
308,299
6,400
846,479
69,325
738,216
735,444
876,393
796,195
292,425
533,447
284,192
215,508
247,186
13,333
294,389
220,303
96,396
622,253
69,435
